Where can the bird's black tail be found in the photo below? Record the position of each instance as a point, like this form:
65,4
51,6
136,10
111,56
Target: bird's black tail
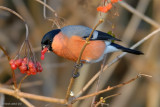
126,49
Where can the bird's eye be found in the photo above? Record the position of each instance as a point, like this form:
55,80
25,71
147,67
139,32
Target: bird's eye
49,42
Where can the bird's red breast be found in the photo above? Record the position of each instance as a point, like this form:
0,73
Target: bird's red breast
70,48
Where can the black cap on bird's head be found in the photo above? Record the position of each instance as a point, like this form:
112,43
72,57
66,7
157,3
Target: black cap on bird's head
48,38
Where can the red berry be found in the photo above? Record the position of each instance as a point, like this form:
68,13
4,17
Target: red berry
38,64
24,63
28,72
23,68
13,66
11,61
31,64
42,52
33,73
25,59
18,62
32,69
109,6
40,69
115,1
42,57
22,71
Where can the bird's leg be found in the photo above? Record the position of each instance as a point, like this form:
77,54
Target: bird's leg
78,66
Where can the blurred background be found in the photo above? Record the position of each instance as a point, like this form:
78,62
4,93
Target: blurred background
54,80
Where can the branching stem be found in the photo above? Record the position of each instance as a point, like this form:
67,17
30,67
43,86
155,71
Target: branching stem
13,73
110,88
19,86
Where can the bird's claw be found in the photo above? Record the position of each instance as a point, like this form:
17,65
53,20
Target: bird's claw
78,65
75,75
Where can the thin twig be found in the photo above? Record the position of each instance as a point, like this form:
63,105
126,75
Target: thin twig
109,88
146,75
26,102
44,10
19,94
13,73
24,85
135,21
99,78
31,84
56,19
13,12
134,11
69,88
19,86
50,8
4,51
18,15
79,60
27,31
115,60
98,103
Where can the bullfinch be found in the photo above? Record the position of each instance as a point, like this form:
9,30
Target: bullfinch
68,41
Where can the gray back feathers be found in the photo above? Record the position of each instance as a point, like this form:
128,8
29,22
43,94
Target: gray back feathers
77,30
84,32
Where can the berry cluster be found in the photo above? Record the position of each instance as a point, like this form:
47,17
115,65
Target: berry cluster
107,7
26,66
43,52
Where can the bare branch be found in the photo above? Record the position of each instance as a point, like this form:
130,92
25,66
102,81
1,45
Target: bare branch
19,86
26,102
19,94
109,88
98,103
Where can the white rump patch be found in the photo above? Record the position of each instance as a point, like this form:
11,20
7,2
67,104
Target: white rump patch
109,48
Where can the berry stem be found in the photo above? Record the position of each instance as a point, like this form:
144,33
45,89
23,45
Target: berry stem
19,86
13,73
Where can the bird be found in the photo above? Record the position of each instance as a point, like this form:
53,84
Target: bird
68,41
